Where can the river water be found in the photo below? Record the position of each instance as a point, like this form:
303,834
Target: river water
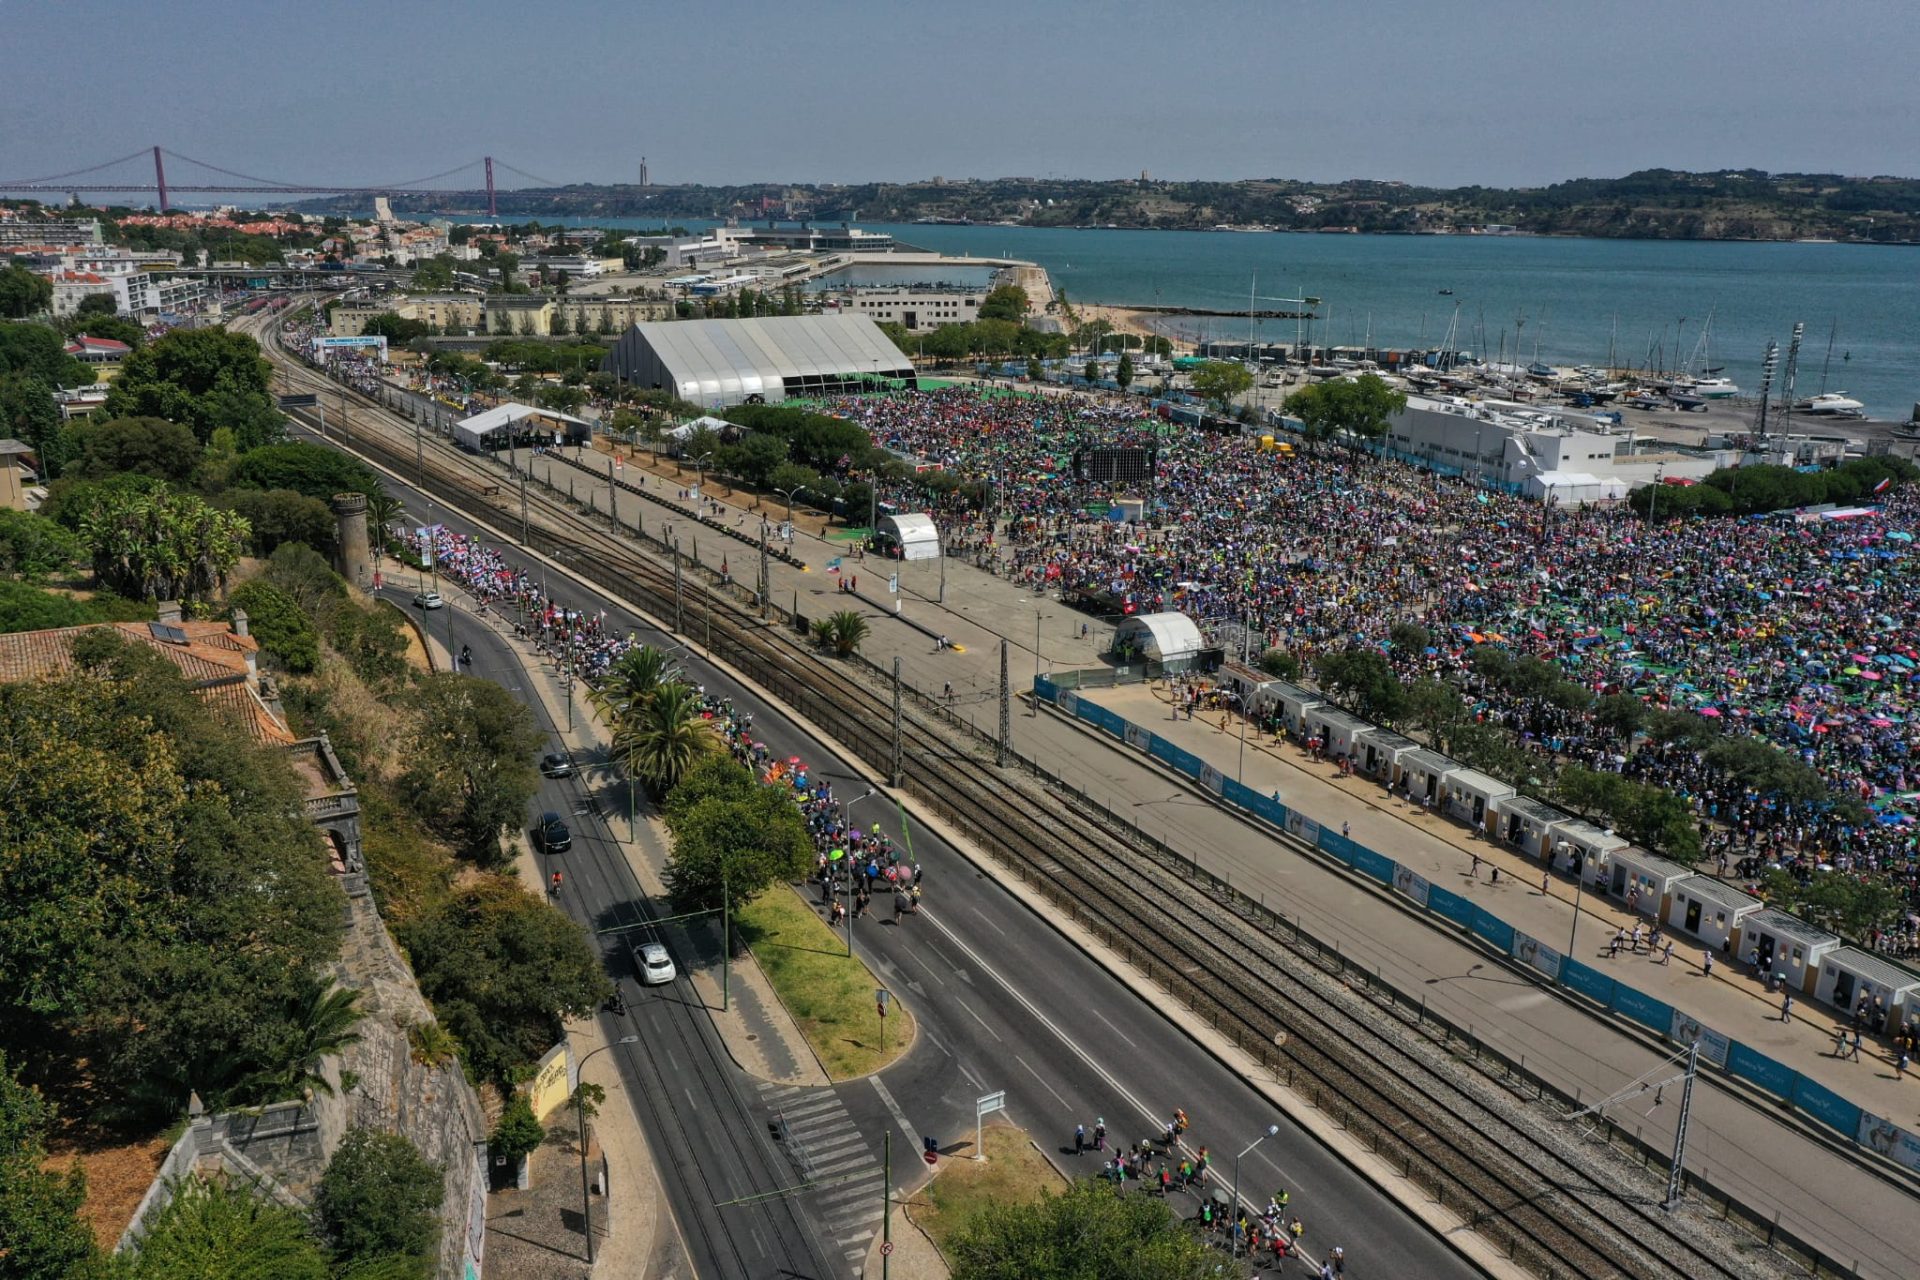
1574,298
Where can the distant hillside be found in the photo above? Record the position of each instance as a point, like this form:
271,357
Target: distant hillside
1659,204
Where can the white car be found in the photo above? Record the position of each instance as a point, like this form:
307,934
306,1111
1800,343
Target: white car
429,600
652,964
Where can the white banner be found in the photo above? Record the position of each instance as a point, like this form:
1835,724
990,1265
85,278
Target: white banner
1713,1045
1411,885
1069,702
1537,954
1212,779
1138,738
1883,1137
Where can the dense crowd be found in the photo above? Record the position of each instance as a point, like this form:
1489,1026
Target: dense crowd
1800,631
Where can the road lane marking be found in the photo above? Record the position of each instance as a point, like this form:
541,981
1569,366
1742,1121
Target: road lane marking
880,1087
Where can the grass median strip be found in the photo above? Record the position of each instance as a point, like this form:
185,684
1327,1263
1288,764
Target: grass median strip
1013,1173
828,995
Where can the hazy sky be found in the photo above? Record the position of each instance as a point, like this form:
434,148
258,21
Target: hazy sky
1498,92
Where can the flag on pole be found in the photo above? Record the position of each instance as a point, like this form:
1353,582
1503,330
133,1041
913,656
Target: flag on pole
833,565
1884,482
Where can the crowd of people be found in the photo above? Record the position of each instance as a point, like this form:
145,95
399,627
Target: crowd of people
1797,630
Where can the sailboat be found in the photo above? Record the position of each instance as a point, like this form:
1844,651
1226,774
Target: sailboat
1830,404
1707,386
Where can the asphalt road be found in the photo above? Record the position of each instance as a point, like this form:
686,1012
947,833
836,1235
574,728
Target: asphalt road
1003,1001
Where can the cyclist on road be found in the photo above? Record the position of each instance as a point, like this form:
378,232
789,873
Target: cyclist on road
554,886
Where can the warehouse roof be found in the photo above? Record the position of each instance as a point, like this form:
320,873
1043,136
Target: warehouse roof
768,351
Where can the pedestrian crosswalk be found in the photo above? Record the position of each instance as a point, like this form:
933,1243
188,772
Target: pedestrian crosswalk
828,1150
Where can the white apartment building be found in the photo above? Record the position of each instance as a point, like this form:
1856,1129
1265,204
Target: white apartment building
53,231
134,293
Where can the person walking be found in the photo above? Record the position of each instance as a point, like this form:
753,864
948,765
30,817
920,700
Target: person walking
1079,1138
1706,963
1474,871
1856,1047
1839,1042
1786,1006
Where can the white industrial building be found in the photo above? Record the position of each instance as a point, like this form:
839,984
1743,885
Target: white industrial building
721,362
911,535
913,309
1528,450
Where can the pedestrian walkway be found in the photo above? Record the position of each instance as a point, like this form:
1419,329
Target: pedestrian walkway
1729,999
828,1151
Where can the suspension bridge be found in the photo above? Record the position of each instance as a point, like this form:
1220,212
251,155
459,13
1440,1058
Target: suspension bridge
116,177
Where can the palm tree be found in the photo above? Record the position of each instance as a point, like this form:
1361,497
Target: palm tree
669,738
627,689
321,1018
846,630
382,509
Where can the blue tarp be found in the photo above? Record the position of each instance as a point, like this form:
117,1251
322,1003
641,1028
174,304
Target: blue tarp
1451,905
1762,1070
1587,980
1826,1106
1493,929
1162,750
1642,1008
1095,714
1046,688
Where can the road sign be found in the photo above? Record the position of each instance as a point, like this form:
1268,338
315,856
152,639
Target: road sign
886,1248
893,584
983,1107
299,402
932,1158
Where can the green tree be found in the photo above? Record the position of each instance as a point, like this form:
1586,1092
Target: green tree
283,629
144,446
205,378
24,293
1123,373
1359,410
1035,370
1361,678
28,414
161,545
42,1236
668,739
395,328
469,769
626,691
746,842
434,273
846,631
380,1198
1092,371
42,352
1620,714
312,469
1844,903
319,1024
1281,664
276,516
1007,302
28,608
503,969
226,1230
33,546
1220,381
1084,1233
108,325
559,327
518,1133
165,893
1436,707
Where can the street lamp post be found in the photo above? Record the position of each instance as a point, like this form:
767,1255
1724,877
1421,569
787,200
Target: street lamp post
586,1202
1273,1131
1579,889
846,821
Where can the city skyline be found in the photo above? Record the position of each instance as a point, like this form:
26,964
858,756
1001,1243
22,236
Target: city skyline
850,91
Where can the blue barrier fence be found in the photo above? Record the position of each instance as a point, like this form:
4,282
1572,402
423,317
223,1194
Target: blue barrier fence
1812,1098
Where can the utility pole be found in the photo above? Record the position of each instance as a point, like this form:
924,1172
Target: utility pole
679,622
1005,744
420,453
1676,1174
766,580
523,500
613,494
893,771
886,1201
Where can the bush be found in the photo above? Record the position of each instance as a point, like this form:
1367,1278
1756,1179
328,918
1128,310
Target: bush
518,1134
33,546
312,469
380,1199
140,446
28,608
279,624
279,516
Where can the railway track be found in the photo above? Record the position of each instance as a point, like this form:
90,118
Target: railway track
1479,1151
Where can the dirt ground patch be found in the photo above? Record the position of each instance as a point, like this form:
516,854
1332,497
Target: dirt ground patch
1014,1172
118,1175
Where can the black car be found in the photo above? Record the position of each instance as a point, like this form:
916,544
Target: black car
556,764
550,834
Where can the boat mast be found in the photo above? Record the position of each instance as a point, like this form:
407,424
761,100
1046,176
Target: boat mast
1793,374
1827,364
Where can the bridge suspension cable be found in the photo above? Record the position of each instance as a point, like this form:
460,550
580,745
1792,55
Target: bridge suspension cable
530,177
34,182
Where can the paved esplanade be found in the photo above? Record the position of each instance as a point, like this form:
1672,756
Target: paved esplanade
1823,1196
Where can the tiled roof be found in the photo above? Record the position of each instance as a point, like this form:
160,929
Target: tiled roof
213,661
